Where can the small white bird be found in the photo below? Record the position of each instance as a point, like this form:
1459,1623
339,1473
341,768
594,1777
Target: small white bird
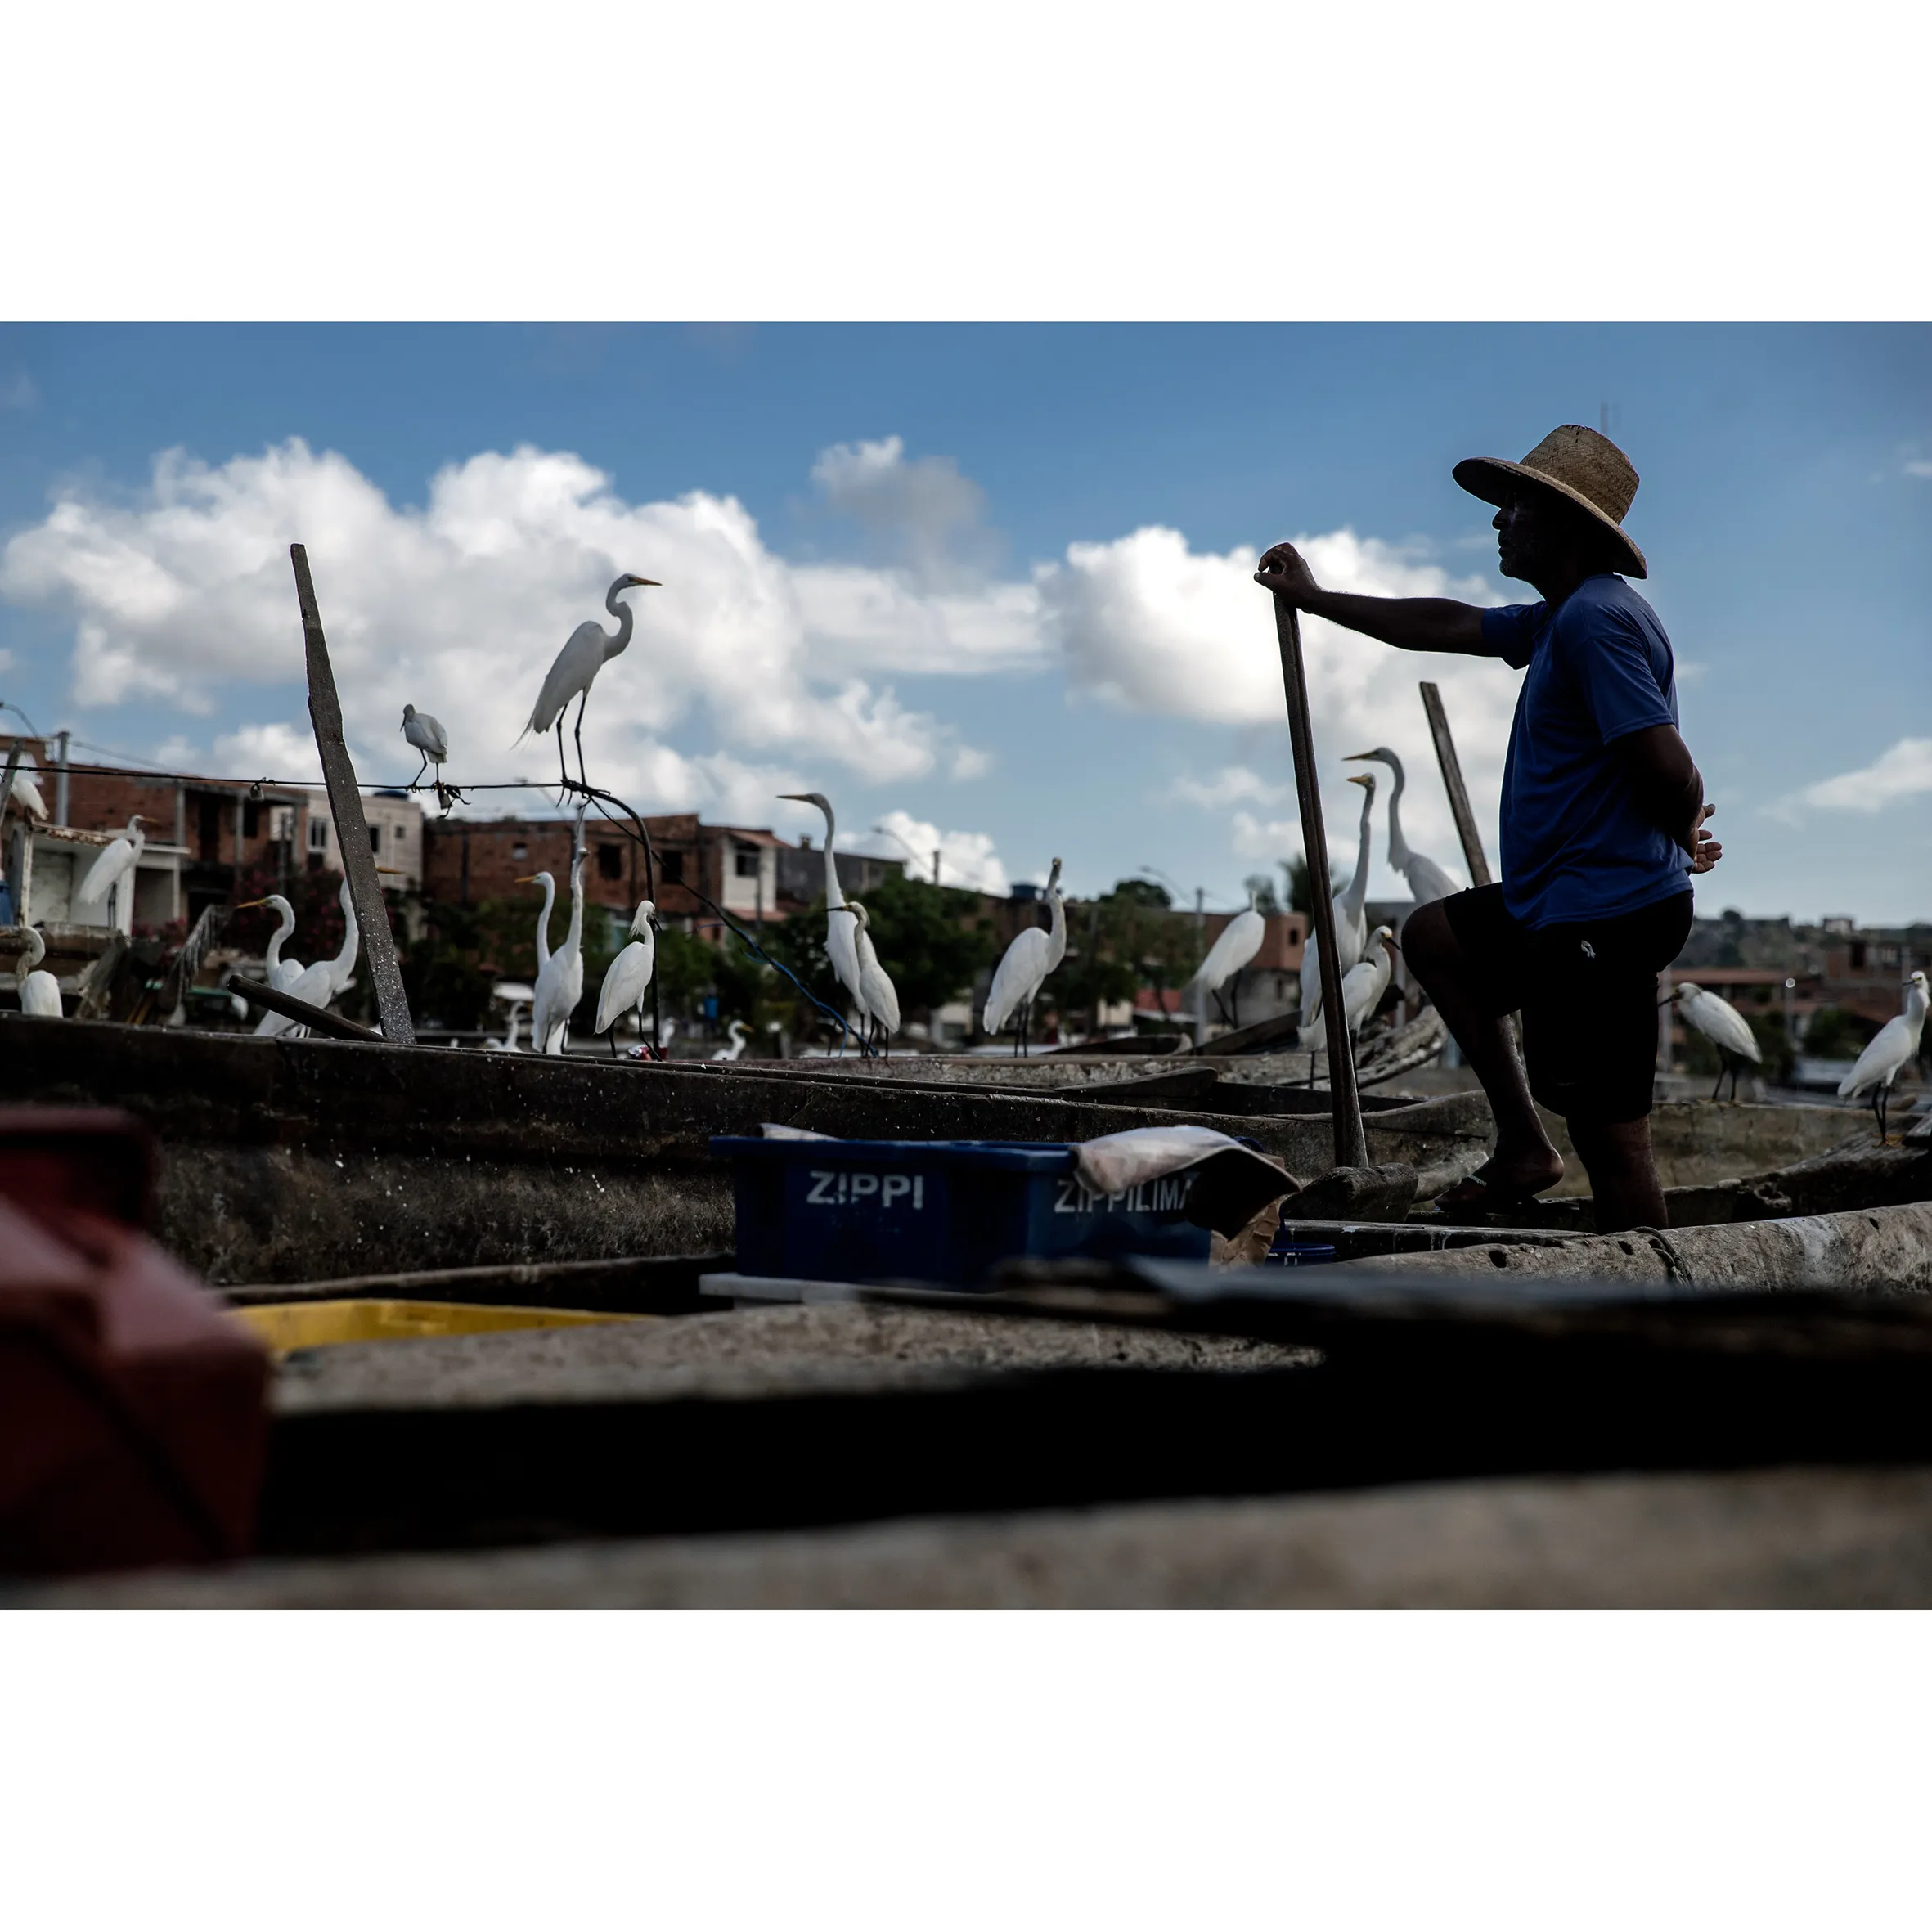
1238,942
1426,879
1023,968
561,975
1894,1047
841,935
588,648
1365,983
116,862
26,793
629,978
508,1043
739,1033
1723,1026
881,997
428,737
40,992
1351,922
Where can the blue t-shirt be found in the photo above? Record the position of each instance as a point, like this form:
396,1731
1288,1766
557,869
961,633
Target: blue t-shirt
1574,844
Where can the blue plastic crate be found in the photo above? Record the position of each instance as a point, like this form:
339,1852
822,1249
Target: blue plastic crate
936,1210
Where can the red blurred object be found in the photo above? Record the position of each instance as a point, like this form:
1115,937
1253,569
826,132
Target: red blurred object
133,1420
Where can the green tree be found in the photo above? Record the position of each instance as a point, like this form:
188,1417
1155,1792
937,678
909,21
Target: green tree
1120,942
933,941
1263,888
1835,1034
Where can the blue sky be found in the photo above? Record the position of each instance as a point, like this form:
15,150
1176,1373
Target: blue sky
987,580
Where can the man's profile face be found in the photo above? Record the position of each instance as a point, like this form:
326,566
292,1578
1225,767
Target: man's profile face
1526,535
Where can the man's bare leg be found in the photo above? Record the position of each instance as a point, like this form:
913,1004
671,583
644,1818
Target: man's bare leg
1623,1182
1524,1158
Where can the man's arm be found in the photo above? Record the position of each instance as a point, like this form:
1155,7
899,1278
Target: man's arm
1670,790
1410,623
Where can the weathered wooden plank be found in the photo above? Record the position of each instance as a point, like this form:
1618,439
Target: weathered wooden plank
352,830
1351,1148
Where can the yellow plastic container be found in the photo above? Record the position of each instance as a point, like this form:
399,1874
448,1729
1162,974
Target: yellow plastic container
285,1325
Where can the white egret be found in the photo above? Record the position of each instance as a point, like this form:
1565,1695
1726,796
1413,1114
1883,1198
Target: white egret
1237,943
279,972
739,1033
629,978
560,976
841,935
1894,1047
881,997
543,918
1426,879
1723,1026
116,863
26,793
320,984
428,737
1023,968
40,992
588,648
508,1043
1351,923
1365,983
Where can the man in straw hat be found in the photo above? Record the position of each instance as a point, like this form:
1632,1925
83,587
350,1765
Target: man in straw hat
1602,812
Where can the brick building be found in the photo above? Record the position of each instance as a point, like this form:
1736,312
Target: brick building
201,833
468,860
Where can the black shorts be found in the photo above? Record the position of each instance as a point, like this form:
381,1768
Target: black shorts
1586,991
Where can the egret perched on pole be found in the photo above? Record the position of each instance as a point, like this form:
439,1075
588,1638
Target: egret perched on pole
629,978
40,992
1723,1026
1351,923
1894,1048
1426,879
876,991
116,863
842,934
1023,968
1238,942
561,977
588,648
429,738
739,1033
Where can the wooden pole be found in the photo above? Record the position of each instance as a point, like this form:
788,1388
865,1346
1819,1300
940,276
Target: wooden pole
352,830
318,1019
1452,782
1351,1144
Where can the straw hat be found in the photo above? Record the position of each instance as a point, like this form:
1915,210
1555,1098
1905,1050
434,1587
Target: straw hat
1577,463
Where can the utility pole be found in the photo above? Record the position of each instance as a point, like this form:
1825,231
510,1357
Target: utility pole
61,778
936,867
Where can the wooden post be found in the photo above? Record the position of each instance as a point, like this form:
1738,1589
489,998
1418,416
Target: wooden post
352,830
1351,1144
1452,782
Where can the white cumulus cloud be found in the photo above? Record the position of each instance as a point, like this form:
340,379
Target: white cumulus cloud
1147,622
1227,786
966,859
1903,772
185,595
